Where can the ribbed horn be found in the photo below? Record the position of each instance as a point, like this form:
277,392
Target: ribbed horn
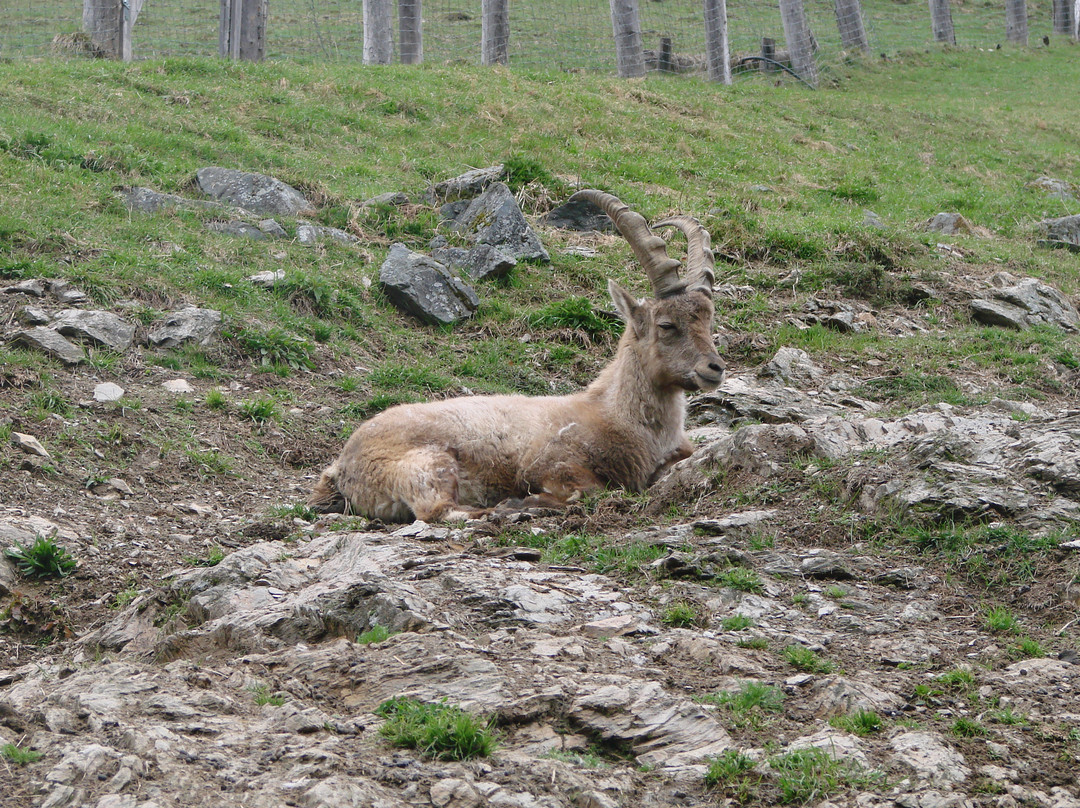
650,249
700,266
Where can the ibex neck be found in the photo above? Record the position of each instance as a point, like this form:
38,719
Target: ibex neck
626,389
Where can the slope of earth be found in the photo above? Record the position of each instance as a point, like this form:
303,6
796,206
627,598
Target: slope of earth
861,590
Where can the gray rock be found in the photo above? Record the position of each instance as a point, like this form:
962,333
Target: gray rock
257,193
29,444
309,234
146,200
272,228
237,228
107,391
465,186
1053,188
189,324
50,342
422,287
933,761
394,198
7,577
34,287
31,316
267,279
494,218
1025,303
580,215
871,219
793,366
951,224
1060,232
67,294
98,327
485,261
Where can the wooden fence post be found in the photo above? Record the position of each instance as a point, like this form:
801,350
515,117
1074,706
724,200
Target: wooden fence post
378,32
1016,21
850,22
242,30
799,40
626,26
717,51
1063,13
103,21
410,20
495,32
941,22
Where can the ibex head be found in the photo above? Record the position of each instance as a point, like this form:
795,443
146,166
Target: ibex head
673,330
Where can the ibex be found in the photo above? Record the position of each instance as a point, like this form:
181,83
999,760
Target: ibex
457,459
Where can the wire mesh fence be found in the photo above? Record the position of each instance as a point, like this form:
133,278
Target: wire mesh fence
567,35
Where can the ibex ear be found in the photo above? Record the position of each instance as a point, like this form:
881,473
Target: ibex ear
632,312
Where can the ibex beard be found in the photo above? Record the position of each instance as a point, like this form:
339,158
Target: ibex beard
460,458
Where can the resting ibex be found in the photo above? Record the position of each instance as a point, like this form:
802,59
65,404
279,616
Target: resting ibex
455,459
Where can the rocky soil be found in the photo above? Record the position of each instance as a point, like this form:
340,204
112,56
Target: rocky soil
836,555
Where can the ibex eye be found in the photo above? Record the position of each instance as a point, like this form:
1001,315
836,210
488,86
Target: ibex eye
667,326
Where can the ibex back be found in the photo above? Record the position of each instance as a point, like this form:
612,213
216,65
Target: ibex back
456,459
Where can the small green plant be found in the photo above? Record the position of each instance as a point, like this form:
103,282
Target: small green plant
573,312
441,731
737,622
374,635
754,643
44,558
964,727
588,759
804,659
1007,715
836,592
213,558
860,722
1001,621
215,399
742,579
960,680
805,775
49,401
1027,648
750,705
276,347
800,599
298,510
681,615
18,755
262,695
732,774
210,462
259,410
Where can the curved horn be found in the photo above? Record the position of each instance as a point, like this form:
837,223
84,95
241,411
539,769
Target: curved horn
700,267
650,249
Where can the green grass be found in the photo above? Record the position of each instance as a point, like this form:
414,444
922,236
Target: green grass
262,695
19,756
859,722
804,659
752,705
732,775
742,579
42,558
441,730
736,622
959,680
374,635
1000,620
681,614
812,774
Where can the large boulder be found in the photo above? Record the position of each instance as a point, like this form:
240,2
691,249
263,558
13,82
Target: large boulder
1061,232
257,193
1024,303
465,186
494,218
421,286
44,339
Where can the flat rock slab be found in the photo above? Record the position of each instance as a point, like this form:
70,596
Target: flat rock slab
580,215
257,193
465,186
421,286
494,218
147,200
98,327
238,229
29,444
107,391
1061,232
309,234
191,324
50,342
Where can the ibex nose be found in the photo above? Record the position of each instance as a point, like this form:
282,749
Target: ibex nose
717,367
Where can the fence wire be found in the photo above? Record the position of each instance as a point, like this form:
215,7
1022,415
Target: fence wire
567,35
